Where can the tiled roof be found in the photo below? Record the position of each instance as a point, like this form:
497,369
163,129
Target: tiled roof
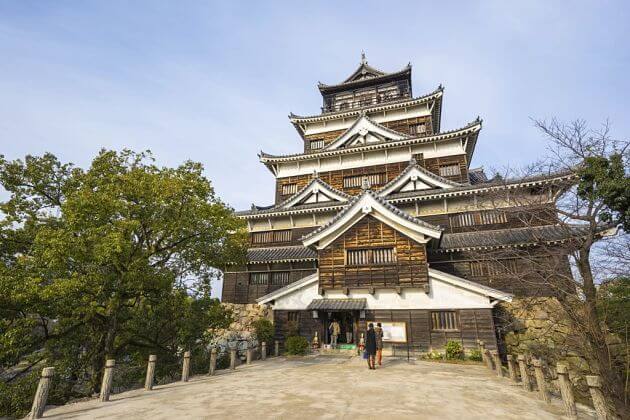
287,253
413,164
509,237
477,176
337,304
381,201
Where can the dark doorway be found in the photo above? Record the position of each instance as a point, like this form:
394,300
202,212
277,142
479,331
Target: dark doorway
347,321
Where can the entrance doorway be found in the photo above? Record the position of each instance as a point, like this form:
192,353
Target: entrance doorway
348,323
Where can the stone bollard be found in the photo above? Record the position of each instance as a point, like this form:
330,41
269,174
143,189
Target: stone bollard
277,348
250,355
108,376
522,365
482,349
595,388
41,395
263,350
213,361
540,381
512,368
186,367
148,382
566,390
232,359
489,362
497,363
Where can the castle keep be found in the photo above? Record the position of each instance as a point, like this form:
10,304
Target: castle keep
378,219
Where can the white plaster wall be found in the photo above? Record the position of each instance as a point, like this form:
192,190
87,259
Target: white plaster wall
441,296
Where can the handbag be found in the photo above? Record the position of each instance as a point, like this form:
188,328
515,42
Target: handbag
365,354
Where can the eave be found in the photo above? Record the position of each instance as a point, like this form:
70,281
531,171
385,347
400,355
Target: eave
356,84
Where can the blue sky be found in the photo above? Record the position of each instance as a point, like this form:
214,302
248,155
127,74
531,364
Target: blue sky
214,82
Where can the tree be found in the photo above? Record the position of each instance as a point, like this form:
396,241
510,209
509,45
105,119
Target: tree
589,209
99,263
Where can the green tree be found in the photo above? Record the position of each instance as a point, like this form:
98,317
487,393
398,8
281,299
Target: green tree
111,261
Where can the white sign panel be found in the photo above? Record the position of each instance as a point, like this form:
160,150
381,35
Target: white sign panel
394,332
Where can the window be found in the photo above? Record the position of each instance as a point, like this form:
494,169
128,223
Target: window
377,256
478,218
271,236
450,170
444,321
317,144
293,316
492,268
355,181
258,278
289,189
280,278
418,128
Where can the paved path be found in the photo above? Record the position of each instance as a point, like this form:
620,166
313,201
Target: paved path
327,387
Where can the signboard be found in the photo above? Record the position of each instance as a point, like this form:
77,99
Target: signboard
394,332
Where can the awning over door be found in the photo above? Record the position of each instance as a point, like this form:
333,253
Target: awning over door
337,304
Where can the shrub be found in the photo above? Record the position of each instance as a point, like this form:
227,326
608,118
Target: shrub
433,355
296,345
264,330
454,350
475,355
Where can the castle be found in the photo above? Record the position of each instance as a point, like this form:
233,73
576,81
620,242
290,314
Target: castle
379,217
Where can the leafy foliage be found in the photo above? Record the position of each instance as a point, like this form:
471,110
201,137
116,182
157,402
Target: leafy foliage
475,355
114,261
296,345
264,330
454,350
614,305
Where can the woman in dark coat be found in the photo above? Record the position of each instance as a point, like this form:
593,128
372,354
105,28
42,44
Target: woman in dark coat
370,345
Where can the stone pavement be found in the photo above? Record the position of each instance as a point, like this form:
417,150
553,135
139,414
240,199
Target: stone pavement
328,387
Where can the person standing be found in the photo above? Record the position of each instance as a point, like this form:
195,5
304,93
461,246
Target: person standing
335,330
378,332
370,345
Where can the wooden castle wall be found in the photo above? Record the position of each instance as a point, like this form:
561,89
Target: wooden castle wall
410,268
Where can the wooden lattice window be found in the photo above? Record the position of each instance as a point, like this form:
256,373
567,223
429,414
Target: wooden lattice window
271,236
450,170
280,278
370,256
444,321
355,181
289,189
293,316
493,268
317,144
478,218
418,128
258,278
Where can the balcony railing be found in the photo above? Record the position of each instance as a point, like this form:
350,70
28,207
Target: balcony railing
344,105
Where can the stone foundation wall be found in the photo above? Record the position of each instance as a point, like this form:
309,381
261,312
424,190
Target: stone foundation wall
240,333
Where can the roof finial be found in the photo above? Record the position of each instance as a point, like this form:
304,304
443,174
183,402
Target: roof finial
315,174
365,185
363,60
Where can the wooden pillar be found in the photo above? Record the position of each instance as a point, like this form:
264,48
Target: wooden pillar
41,395
277,348
489,362
186,367
595,388
512,368
213,361
250,354
108,376
522,365
540,381
566,390
148,382
263,350
233,359
497,363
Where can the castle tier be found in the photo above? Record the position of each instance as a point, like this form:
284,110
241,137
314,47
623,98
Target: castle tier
378,218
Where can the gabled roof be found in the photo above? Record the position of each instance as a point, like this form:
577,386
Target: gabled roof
366,75
310,279
316,191
369,203
470,130
421,179
469,285
365,131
